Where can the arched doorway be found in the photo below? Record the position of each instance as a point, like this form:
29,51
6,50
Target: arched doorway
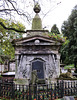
38,65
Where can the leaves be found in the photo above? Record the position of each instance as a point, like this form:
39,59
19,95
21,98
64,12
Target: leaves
6,36
69,29
56,36
54,29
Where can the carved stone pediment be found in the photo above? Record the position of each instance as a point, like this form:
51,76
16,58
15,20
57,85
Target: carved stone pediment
37,40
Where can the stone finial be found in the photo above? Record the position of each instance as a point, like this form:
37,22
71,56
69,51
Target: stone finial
37,8
37,23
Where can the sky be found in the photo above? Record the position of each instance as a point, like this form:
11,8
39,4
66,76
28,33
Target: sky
57,11
60,13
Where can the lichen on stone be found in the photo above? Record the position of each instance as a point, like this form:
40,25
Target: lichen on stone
36,23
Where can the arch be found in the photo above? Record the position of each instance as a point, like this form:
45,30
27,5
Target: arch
38,65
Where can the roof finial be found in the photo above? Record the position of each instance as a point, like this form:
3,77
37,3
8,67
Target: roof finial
37,8
37,23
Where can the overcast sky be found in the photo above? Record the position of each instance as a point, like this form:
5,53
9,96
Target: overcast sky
60,13
59,10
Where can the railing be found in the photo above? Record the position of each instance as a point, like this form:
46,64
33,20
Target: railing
37,92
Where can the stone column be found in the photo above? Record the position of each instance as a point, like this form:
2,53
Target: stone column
58,65
46,71
16,65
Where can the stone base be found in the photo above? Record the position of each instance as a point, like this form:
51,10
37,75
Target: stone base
41,81
21,81
51,80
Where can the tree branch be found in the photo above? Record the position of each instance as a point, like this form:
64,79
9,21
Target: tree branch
18,12
1,10
7,28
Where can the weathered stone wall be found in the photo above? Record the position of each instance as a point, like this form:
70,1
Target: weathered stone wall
1,68
41,48
24,66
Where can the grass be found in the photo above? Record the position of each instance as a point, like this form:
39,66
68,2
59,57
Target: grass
69,66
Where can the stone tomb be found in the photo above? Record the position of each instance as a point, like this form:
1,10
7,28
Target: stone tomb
38,53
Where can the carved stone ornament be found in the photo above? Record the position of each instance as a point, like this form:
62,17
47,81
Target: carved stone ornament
37,42
37,8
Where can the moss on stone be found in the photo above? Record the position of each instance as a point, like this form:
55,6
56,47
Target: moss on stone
67,75
66,79
21,81
36,23
41,81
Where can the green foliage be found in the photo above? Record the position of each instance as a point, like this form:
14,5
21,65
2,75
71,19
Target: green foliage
69,29
11,33
67,66
56,36
1,53
0,76
6,36
54,29
66,42
8,49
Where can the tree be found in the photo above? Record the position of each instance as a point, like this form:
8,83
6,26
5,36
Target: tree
23,10
69,29
54,29
20,9
10,9
6,36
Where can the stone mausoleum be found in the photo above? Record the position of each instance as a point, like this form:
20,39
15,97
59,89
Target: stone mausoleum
37,51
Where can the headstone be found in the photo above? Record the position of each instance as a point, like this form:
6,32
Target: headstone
68,98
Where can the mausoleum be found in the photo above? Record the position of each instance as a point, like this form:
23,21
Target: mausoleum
37,51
